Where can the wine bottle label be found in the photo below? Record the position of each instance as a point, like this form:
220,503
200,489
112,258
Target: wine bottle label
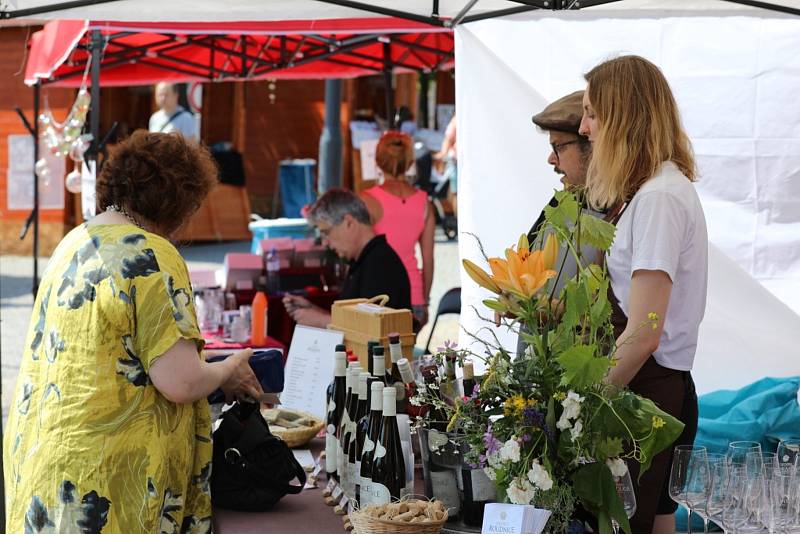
436,440
365,493
330,452
350,489
444,488
401,390
380,451
368,446
483,489
379,494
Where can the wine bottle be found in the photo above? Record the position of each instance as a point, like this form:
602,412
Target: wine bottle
336,402
379,364
393,375
329,391
468,380
409,388
388,478
474,486
362,426
439,471
370,438
348,484
449,386
371,344
344,424
361,410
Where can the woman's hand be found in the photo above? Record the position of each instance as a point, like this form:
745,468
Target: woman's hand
241,383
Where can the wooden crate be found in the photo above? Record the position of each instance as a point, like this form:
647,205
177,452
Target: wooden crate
362,320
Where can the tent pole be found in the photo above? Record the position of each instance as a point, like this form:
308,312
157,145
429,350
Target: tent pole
423,107
96,47
330,142
37,88
387,80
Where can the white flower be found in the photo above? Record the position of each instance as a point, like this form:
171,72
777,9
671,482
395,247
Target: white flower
577,430
494,459
510,451
563,423
520,491
490,473
617,466
539,476
572,405
415,401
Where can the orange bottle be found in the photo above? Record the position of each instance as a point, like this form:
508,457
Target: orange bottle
258,336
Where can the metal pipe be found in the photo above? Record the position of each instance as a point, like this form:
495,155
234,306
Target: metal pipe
767,5
498,13
387,80
423,107
94,106
37,88
330,142
386,11
461,14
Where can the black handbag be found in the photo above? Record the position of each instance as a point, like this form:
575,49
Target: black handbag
252,469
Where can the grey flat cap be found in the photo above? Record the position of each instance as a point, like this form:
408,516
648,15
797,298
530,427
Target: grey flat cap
563,115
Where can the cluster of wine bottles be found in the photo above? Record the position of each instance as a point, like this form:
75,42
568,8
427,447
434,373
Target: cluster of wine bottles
364,449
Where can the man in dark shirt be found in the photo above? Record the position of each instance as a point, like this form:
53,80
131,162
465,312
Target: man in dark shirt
375,268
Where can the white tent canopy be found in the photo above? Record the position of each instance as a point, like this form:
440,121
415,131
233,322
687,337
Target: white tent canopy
270,10
735,77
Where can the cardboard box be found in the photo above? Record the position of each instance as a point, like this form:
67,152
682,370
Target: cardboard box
240,266
364,320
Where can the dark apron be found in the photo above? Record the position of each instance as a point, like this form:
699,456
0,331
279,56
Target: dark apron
672,391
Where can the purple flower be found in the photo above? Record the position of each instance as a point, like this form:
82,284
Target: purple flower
526,437
533,417
491,443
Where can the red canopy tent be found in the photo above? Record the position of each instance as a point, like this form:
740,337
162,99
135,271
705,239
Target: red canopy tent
143,53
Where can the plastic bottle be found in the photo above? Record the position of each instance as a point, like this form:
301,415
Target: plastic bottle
258,336
273,272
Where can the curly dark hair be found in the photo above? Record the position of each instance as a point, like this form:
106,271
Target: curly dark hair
159,176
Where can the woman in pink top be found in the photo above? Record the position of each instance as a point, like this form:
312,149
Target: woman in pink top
404,214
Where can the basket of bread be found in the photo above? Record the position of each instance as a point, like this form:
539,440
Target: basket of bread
294,427
406,516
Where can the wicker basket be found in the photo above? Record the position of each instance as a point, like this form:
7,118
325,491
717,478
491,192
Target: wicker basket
364,524
297,437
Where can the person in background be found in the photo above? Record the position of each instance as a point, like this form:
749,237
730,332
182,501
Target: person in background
375,269
110,427
448,153
172,117
642,168
404,215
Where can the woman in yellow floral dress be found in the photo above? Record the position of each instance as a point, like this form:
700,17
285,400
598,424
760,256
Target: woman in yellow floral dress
109,429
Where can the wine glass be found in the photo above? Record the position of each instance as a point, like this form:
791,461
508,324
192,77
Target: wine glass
706,485
688,478
788,450
738,450
719,494
626,495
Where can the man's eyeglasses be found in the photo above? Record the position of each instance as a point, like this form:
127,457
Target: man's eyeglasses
558,147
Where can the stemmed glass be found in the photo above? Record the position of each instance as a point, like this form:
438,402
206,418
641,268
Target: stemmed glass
689,478
788,450
747,510
626,495
719,495
709,484
738,450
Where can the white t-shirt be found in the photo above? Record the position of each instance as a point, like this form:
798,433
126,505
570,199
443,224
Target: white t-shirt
664,229
183,123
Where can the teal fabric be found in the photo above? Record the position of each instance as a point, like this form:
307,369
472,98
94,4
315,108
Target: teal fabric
766,411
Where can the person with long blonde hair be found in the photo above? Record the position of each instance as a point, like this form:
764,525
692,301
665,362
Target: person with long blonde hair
642,171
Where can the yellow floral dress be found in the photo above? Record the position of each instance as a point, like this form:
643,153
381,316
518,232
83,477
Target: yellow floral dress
91,445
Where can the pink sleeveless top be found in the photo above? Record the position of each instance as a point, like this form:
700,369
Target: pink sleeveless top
403,222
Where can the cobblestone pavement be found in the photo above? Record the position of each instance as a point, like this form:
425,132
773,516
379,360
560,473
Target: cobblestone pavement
16,300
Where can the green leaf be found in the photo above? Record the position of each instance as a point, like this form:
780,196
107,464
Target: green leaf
565,214
581,367
495,305
660,438
597,232
600,312
608,448
576,301
594,485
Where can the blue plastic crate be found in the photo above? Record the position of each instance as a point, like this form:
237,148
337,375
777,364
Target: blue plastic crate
269,228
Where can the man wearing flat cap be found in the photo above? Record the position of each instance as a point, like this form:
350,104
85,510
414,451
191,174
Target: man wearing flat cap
571,151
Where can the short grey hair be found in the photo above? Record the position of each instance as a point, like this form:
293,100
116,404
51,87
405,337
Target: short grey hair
335,204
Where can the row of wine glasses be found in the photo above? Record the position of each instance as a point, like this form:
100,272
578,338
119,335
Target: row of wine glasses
744,490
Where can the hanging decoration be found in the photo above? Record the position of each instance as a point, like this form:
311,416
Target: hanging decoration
271,86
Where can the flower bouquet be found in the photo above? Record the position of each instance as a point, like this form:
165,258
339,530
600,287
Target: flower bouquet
543,424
